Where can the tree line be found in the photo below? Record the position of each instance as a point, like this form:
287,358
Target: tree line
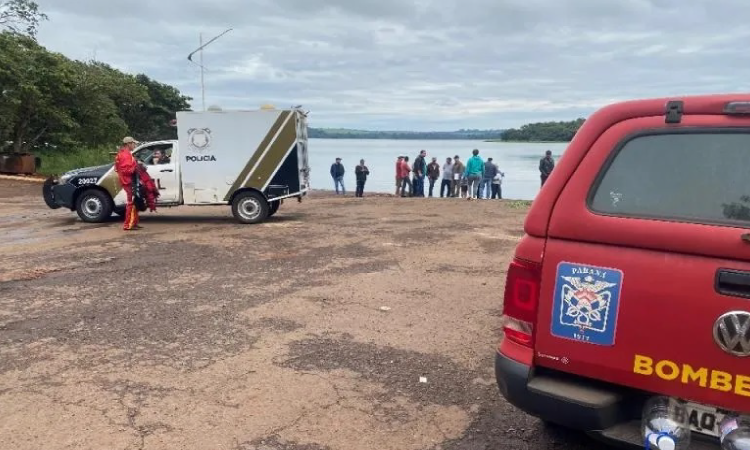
344,133
544,132
533,132
49,101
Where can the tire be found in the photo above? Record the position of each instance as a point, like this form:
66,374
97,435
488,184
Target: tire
119,210
274,206
250,207
94,206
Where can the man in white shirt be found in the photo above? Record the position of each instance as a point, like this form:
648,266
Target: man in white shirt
447,182
497,181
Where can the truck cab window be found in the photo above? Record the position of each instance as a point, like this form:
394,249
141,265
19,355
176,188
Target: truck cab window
154,155
144,155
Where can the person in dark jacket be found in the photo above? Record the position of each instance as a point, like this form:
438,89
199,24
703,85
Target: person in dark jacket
433,173
337,173
420,170
361,172
546,165
490,170
497,184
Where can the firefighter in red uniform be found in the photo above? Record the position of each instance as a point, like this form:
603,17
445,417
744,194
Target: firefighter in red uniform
126,167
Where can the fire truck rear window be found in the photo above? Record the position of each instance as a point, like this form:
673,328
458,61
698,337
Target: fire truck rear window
684,176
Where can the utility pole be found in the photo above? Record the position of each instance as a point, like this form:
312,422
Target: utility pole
200,49
203,84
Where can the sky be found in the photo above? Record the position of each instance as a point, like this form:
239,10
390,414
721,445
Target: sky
417,64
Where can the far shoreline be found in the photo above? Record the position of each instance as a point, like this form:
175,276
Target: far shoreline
435,139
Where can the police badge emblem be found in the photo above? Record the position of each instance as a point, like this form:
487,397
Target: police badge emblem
199,138
586,303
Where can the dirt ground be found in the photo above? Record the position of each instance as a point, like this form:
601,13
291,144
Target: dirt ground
199,333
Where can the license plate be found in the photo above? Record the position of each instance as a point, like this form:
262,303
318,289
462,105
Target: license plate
704,419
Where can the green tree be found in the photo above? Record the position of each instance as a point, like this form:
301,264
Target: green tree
738,210
544,131
50,101
37,88
151,119
101,94
21,16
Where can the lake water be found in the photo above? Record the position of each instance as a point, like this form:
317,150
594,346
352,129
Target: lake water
519,161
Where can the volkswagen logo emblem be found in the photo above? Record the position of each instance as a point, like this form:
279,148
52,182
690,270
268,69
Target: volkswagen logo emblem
732,333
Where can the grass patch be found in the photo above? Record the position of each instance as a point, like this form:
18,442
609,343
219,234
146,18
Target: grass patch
56,162
519,204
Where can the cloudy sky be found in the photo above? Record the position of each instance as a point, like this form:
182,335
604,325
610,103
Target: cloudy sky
417,64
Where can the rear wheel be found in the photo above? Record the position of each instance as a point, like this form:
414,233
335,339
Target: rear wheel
274,206
94,206
250,207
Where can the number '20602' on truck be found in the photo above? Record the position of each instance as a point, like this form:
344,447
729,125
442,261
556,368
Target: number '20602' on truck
633,277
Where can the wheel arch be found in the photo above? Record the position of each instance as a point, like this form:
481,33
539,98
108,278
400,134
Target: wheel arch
82,189
247,189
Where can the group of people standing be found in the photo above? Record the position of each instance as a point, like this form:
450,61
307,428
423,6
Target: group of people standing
477,179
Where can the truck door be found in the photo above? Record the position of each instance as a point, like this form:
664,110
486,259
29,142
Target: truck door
160,160
646,274
304,167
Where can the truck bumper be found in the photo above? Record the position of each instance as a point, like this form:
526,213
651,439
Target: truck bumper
606,412
58,195
566,401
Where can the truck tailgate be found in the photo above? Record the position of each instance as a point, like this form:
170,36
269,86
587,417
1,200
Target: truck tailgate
645,319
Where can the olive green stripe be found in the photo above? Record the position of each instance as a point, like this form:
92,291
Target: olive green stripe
274,158
258,152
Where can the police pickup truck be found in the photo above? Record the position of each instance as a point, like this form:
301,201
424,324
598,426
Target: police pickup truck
251,160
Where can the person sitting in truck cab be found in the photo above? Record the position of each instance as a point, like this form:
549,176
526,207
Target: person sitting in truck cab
166,156
159,157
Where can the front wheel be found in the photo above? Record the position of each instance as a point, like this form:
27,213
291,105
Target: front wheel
250,207
94,206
